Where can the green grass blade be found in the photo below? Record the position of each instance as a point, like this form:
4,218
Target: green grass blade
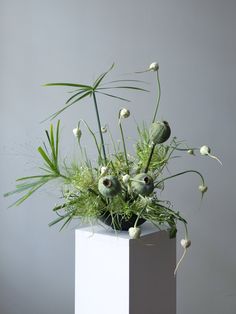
68,220
118,81
45,157
126,87
114,96
34,177
27,195
101,77
21,188
52,145
75,95
54,115
69,84
59,219
57,139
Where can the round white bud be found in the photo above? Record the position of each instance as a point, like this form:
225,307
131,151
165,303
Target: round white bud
126,178
190,152
103,170
77,133
202,188
104,129
154,66
205,150
185,243
124,113
134,232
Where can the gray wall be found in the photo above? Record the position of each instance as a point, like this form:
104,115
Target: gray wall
195,44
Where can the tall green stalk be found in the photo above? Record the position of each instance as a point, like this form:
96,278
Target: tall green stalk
100,128
158,97
150,158
124,147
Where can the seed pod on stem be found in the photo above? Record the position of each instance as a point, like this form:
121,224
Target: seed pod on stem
154,66
206,151
185,243
109,186
159,132
134,232
142,184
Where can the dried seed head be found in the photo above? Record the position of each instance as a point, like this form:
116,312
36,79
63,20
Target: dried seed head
154,66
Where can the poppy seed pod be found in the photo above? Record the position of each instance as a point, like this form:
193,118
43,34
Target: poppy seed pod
159,132
142,184
109,186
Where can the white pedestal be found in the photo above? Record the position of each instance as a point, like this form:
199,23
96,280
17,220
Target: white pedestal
117,275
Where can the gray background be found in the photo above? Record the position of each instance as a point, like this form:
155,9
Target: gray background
195,44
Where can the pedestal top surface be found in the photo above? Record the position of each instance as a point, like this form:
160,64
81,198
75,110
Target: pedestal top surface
146,228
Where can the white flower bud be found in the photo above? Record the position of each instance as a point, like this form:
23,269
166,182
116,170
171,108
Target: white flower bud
104,129
190,152
103,170
77,133
206,151
124,113
154,66
126,178
185,243
134,232
202,188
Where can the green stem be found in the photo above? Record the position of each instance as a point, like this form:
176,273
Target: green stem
124,147
94,137
179,174
158,97
138,216
184,149
62,176
150,158
99,127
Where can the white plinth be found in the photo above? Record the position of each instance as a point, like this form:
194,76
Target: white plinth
116,275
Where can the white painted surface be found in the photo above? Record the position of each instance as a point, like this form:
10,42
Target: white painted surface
102,273
114,274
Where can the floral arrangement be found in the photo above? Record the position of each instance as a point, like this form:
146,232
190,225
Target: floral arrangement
120,189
